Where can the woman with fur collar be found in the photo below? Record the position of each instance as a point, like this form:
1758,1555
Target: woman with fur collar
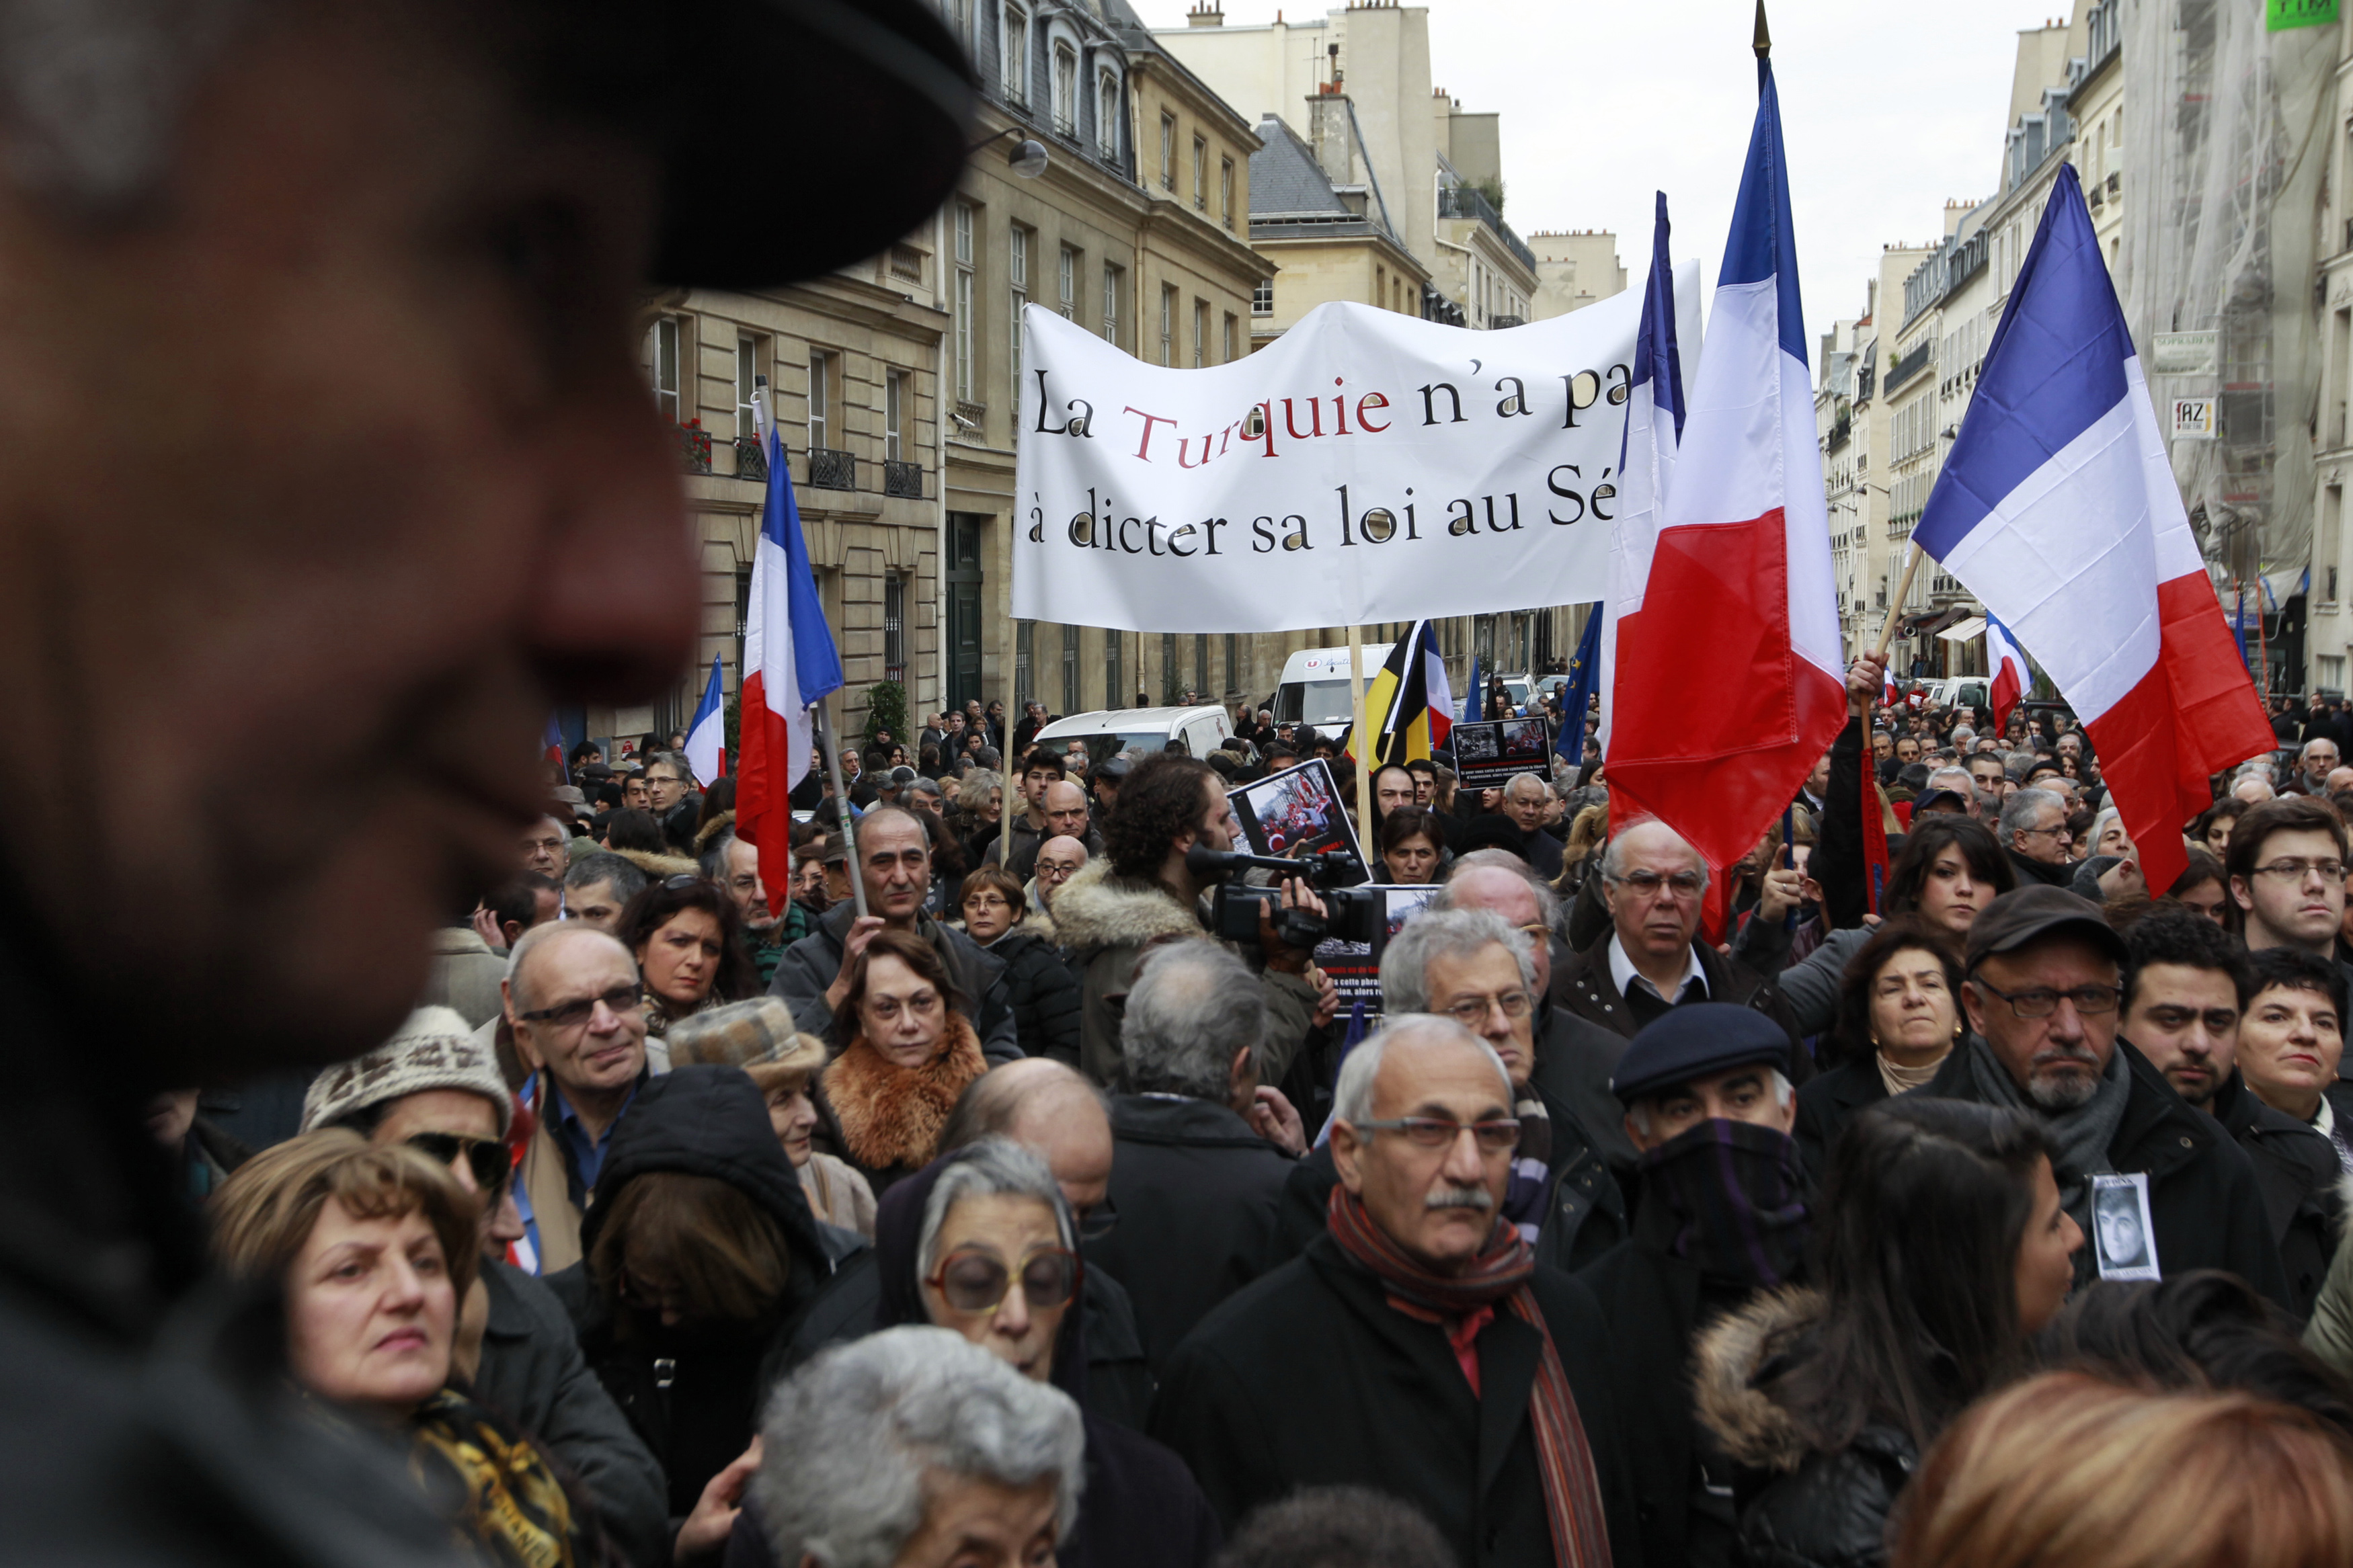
904,1052
1942,1248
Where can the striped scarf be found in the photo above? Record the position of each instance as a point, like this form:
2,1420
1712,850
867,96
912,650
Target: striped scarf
1580,1535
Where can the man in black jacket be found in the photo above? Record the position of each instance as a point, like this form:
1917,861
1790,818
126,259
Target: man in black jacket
1724,1216
1654,882
1195,1185
2185,992
2035,836
1403,1350
2044,979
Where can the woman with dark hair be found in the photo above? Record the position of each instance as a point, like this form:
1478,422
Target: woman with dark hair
701,1255
902,1053
1412,847
686,937
1899,1017
2203,888
2213,829
718,800
1043,992
629,829
1941,1248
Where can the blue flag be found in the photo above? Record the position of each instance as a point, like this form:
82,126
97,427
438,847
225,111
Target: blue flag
1584,680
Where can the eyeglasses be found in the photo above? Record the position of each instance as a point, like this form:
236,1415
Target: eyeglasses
1471,1011
979,1282
2297,870
2059,833
1500,1136
572,1014
924,1004
488,1158
2042,1002
1646,884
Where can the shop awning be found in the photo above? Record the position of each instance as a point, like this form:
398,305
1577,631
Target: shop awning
1964,631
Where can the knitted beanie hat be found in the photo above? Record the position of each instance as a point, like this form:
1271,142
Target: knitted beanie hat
433,1049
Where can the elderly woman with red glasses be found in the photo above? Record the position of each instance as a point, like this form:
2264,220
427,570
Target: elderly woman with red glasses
981,1242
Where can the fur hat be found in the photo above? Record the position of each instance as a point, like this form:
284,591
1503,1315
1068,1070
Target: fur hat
435,1048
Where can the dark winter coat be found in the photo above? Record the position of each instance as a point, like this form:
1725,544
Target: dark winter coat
2031,870
1815,1509
812,964
1199,1196
2205,1206
1586,988
1585,1213
1043,992
146,1417
533,1372
1308,1377
1575,1059
701,1121
1827,1104
1104,921
2297,1171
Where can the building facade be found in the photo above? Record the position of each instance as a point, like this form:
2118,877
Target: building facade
1574,269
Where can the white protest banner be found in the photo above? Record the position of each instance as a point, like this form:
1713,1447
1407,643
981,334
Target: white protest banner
1365,467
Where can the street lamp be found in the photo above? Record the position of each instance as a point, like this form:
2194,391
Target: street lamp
1027,156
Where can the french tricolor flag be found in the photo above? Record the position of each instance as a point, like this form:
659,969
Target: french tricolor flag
1726,671
789,665
2058,510
706,735
2008,668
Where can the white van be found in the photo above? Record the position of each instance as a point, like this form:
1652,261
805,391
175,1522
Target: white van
1138,731
1314,689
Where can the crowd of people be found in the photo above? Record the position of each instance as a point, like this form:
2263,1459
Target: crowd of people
669,1224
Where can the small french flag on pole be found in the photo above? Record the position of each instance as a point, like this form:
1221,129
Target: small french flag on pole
706,738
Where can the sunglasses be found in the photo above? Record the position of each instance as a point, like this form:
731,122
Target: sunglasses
487,1157
979,1282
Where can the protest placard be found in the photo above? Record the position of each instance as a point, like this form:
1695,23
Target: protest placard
1490,753
1365,467
1294,814
1356,966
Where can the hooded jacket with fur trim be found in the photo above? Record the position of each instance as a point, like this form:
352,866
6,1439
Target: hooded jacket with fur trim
1808,1507
810,967
1104,923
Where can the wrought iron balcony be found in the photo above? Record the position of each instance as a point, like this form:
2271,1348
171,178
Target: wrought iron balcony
1464,201
831,470
751,461
1910,365
904,479
694,446
1497,323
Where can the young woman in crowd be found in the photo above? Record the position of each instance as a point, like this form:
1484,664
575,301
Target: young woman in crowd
1940,1248
1412,845
903,1053
687,941
983,1242
1043,992
701,1254
1899,1017
2213,829
373,1246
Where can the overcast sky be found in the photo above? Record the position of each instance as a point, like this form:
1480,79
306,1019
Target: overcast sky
1888,110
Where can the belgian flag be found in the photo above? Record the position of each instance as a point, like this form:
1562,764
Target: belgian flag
1408,707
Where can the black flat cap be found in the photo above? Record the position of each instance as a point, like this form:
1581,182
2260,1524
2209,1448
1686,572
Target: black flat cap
2027,914
1693,1041
795,136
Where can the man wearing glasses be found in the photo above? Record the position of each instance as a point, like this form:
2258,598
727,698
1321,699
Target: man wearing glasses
2286,866
438,1089
2045,979
574,1001
1654,882
1418,1346
2034,832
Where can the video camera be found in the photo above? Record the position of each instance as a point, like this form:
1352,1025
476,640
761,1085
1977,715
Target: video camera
1352,913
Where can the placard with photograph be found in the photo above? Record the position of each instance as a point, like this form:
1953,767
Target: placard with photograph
1294,813
2123,1240
1356,966
1490,753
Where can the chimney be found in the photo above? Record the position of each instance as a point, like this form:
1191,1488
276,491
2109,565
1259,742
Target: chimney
1328,132
1205,14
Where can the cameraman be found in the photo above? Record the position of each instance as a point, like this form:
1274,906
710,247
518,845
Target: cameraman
1140,892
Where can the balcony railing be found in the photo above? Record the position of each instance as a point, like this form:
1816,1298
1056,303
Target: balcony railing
694,447
1840,431
902,479
751,461
1497,323
1462,201
831,470
1910,365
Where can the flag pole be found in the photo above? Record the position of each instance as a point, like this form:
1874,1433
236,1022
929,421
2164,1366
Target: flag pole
1367,745
842,801
1903,590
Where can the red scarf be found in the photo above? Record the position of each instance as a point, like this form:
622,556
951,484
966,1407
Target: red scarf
1580,1533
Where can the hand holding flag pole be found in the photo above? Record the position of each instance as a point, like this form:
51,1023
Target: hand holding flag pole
1895,611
